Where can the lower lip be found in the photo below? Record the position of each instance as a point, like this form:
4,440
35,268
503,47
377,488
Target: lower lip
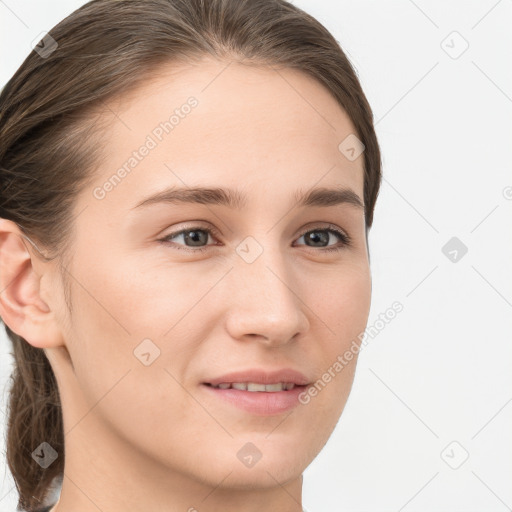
262,403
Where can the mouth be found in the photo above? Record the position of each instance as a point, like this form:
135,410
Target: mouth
256,386
258,391
255,400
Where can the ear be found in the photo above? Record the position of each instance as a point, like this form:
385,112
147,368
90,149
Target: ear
22,307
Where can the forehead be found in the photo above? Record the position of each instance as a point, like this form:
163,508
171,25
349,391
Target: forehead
270,129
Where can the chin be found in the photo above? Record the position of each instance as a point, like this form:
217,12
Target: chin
263,463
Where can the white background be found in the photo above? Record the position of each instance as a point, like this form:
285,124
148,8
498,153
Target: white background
441,371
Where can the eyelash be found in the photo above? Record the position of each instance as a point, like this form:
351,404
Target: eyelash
345,239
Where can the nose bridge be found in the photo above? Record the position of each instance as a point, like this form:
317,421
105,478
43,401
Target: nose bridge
265,303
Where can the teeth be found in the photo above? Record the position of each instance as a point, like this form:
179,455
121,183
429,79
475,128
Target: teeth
251,386
254,386
269,387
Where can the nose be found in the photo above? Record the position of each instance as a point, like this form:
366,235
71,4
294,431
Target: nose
265,301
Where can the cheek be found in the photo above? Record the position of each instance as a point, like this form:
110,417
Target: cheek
125,308
342,305
135,299
341,302
115,310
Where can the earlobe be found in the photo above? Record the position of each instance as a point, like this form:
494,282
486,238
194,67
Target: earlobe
21,305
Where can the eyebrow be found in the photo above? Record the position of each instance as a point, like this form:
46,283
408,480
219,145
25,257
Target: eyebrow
234,199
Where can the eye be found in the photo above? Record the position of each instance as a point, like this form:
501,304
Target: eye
196,238
195,235
312,235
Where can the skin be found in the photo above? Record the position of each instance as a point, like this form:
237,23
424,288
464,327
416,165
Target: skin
150,437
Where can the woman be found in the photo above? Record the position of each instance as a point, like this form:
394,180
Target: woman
187,189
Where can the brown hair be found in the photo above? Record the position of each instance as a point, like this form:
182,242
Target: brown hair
48,137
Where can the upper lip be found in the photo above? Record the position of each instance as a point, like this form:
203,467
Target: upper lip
261,376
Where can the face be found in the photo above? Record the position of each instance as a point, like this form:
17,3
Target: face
172,295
